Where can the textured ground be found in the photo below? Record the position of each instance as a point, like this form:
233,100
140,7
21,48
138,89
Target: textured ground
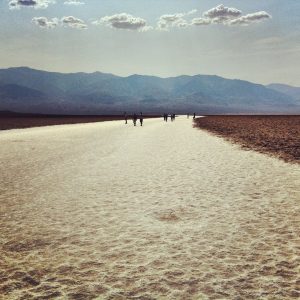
275,135
165,211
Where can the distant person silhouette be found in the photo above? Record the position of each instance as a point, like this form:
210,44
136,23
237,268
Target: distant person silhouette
125,117
167,117
188,115
134,119
141,119
194,116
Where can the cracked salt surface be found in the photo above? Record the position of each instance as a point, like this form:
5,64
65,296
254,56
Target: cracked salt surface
160,212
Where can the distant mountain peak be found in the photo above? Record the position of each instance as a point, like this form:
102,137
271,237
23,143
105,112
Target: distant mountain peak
29,90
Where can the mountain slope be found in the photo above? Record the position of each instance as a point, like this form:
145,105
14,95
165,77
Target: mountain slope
286,89
27,90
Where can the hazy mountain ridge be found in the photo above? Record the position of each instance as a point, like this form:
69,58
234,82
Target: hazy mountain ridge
286,89
28,90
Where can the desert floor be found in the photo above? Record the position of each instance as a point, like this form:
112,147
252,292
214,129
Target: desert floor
167,211
274,135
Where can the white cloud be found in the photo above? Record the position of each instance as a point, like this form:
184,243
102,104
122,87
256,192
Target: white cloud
217,15
43,22
73,22
124,21
200,21
251,18
69,21
222,13
174,20
167,21
146,28
74,2
17,4
229,16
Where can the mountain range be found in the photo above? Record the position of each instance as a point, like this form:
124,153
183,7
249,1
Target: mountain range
33,91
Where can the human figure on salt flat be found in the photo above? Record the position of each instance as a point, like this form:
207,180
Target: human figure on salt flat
141,119
134,119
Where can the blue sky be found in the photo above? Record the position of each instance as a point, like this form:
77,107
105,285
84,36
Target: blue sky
256,40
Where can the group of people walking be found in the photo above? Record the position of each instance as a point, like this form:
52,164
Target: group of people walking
140,117
172,117
135,118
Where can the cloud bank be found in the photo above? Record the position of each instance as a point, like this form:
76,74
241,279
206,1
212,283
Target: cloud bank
217,15
220,14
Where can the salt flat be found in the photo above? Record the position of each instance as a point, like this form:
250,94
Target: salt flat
165,211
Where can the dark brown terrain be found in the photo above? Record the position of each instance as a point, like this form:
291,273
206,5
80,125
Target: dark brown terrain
276,135
11,120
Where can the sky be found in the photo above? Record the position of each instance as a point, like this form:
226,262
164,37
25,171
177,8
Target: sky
255,40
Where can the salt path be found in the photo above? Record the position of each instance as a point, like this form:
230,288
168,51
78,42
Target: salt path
164,211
